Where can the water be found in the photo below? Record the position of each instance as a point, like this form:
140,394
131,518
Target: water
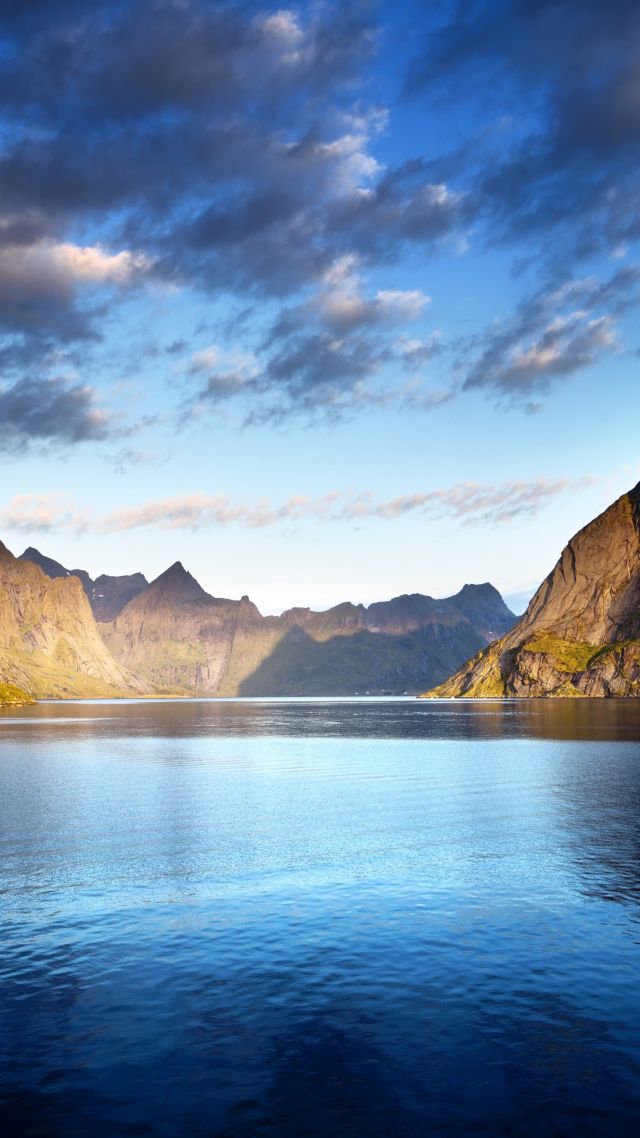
351,918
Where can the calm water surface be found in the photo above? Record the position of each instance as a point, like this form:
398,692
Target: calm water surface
323,918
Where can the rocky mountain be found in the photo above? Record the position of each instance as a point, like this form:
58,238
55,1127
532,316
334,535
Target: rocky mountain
177,636
49,641
580,635
107,595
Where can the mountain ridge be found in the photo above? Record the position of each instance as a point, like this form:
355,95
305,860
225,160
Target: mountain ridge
182,636
107,594
177,638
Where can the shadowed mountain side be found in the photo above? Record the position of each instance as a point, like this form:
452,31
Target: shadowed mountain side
364,662
107,595
49,642
180,638
580,635
54,569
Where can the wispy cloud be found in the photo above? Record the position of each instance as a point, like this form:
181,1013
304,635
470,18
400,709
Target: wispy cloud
552,333
489,503
43,513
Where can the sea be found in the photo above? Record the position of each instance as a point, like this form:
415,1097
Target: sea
321,918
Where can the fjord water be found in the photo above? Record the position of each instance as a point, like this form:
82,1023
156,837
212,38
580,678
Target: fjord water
366,917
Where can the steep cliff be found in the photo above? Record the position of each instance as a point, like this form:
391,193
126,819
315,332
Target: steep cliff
580,635
49,642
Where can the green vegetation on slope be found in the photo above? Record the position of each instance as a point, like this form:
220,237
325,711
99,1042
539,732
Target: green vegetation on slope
12,696
547,665
567,655
46,677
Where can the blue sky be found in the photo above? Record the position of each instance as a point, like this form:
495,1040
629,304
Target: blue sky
327,301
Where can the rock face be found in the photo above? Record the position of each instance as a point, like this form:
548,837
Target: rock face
580,635
49,641
107,595
178,637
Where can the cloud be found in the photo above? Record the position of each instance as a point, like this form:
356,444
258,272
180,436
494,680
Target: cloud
403,209
468,501
40,282
236,150
42,513
224,149
550,335
253,115
565,161
471,502
319,356
54,412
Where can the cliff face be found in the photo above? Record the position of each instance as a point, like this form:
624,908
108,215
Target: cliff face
580,634
49,642
177,636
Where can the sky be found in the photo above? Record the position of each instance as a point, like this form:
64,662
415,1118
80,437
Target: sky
327,301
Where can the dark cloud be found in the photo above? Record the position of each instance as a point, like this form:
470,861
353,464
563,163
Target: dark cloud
217,146
409,205
230,148
51,412
224,135
319,355
570,75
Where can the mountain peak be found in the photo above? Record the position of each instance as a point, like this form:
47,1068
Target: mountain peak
48,565
176,584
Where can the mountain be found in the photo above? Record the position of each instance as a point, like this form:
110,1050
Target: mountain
49,641
107,595
387,647
176,635
54,569
580,635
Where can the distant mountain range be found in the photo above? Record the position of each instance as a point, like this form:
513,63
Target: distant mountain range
171,636
177,636
580,635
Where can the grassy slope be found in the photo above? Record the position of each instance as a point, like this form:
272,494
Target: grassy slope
573,661
44,676
11,696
